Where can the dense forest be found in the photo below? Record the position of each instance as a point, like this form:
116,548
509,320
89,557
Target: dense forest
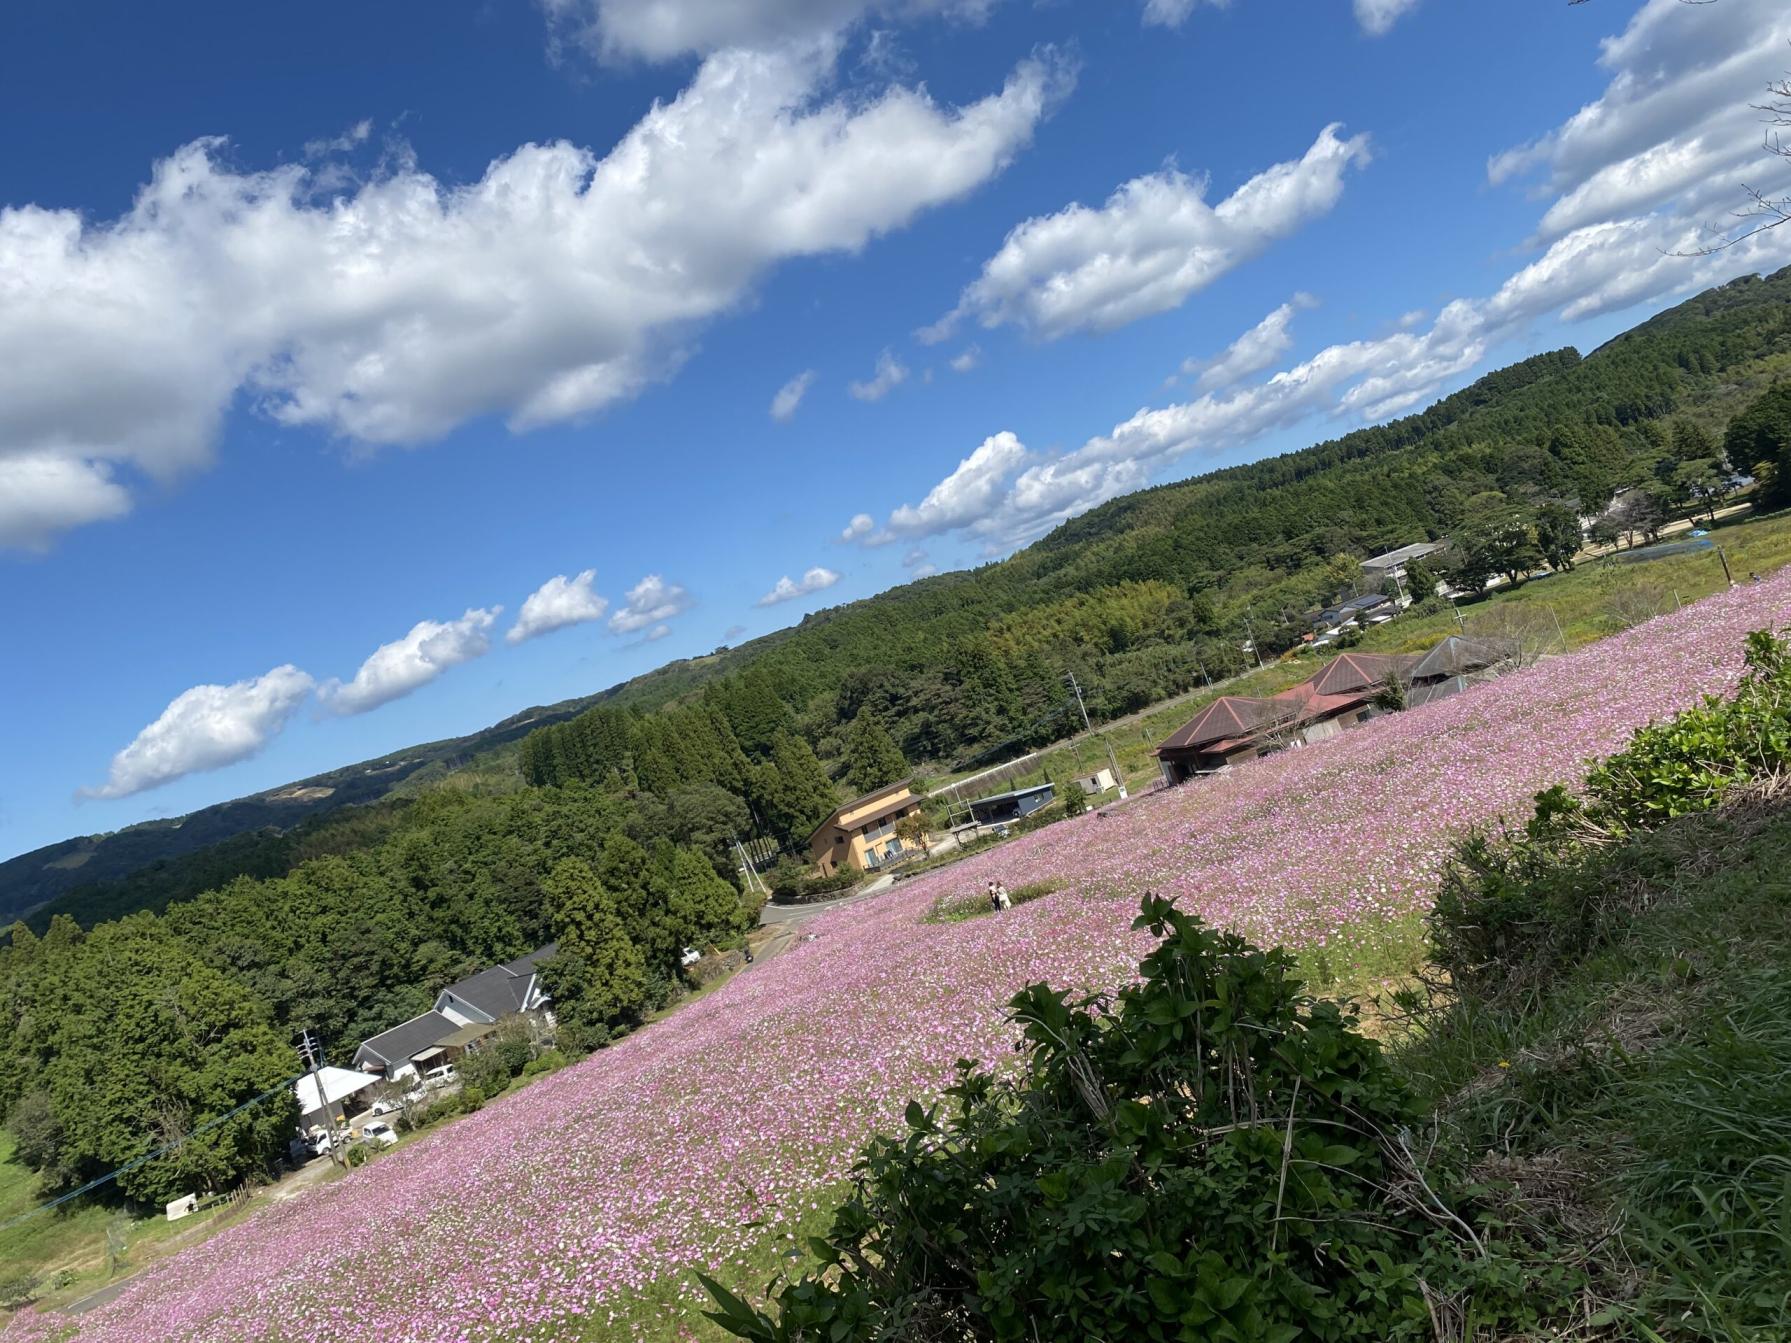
137,1008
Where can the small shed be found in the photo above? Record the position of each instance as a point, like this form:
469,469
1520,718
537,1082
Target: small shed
1011,806
1098,782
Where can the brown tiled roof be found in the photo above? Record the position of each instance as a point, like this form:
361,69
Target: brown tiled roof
1227,716
1358,671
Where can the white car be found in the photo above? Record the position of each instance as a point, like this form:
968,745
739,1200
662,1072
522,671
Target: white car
385,1105
379,1133
437,1078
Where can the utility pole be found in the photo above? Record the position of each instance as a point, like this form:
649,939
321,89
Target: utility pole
312,1049
1558,632
1119,779
754,883
1255,647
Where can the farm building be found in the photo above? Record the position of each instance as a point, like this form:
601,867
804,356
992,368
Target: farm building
1235,728
1000,808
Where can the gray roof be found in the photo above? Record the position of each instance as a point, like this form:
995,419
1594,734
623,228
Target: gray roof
503,989
1456,656
1016,793
397,1046
1394,558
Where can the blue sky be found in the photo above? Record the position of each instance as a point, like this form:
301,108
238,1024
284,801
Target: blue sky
429,306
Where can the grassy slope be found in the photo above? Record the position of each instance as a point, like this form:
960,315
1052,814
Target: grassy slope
1638,1104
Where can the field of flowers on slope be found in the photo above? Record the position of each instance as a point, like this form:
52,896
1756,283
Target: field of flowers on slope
530,1218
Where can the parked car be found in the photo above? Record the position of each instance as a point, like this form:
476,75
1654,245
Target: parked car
437,1078
379,1133
385,1105
415,1096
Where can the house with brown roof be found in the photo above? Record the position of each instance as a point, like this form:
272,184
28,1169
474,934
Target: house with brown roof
862,833
1235,728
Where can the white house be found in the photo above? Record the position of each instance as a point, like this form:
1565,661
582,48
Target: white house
321,1096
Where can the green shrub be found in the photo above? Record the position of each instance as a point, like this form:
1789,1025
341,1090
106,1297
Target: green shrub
1511,906
1211,1154
18,1288
545,1062
486,1069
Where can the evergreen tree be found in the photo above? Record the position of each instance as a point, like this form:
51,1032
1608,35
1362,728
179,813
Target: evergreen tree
1759,440
598,980
872,757
803,794
705,909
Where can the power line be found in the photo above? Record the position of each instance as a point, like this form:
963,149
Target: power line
163,1150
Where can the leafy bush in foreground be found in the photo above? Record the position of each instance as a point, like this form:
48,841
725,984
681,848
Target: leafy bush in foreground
1210,1154
1550,891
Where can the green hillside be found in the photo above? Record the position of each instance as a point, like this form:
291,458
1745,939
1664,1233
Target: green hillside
1141,598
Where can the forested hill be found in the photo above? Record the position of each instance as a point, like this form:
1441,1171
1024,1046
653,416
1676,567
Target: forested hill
1140,597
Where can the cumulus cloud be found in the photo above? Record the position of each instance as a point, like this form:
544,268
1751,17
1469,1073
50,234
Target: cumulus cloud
206,728
558,283
661,30
557,603
655,634
785,590
404,665
967,359
789,396
1153,243
1377,16
1673,128
1167,13
652,601
959,500
43,494
891,373
1637,175
1258,348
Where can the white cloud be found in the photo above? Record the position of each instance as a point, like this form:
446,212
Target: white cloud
655,634
1168,13
789,396
558,283
206,728
1153,243
784,590
959,500
651,601
1638,174
891,374
967,359
1255,350
351,139
557,603
1377,16
404,665
43,494
1674,127
915,557
665,29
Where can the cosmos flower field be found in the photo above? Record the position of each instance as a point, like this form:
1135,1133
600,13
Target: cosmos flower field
539,1216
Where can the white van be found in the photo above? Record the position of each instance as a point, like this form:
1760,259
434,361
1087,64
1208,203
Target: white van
437,1078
